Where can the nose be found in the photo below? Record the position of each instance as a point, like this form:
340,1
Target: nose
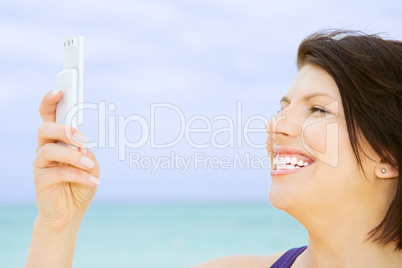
284,125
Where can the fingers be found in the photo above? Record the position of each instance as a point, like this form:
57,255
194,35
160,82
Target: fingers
80,165
49,132
54,175
53,152
47,108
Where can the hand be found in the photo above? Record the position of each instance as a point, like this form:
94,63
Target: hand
65,187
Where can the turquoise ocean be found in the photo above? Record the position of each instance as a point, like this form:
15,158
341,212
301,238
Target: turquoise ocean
158,235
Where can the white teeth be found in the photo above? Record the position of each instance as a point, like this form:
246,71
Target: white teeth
288,162
290,167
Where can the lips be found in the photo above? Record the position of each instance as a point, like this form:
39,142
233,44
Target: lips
288,160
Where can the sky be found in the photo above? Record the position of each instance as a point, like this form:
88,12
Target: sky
201,76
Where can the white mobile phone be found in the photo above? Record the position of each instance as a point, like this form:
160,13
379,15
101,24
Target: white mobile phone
70,81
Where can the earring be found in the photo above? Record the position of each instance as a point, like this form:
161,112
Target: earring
383,170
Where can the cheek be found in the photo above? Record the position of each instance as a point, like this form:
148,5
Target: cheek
324,139
314,136
336,163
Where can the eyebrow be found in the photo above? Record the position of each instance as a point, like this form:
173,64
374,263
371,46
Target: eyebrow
308,97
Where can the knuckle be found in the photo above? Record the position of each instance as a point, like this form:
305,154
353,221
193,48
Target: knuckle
36,178
37,150
40,109
43,127
45,151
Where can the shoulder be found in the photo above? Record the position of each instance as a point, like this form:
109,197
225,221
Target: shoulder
238,261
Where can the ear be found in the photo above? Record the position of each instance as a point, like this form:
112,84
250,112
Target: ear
386,171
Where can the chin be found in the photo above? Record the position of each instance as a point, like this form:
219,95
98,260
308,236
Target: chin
280,198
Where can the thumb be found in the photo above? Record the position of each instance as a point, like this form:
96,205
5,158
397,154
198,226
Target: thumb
47,108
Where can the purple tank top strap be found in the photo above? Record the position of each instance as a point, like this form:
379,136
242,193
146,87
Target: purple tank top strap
287,259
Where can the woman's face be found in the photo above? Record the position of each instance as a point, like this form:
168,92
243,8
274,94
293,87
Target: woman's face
316,169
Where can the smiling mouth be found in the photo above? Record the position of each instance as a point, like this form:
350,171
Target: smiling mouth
286,159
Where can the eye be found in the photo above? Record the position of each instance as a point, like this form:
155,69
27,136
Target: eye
318,109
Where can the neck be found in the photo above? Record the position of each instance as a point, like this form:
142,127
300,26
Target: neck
345,243
349,253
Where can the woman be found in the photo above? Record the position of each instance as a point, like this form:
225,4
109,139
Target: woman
337,147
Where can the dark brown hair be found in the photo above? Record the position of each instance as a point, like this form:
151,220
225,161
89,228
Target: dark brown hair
368,72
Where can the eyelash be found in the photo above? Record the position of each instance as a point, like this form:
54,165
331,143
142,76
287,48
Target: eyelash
312,110
318,109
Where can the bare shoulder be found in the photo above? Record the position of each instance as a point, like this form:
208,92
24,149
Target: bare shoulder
238,261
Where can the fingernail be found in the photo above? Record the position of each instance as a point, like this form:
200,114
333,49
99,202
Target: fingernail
79,138
93,179
54,92
87,162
